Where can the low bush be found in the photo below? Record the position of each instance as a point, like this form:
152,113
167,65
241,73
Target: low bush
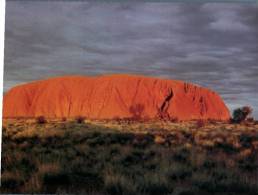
41,120
80,119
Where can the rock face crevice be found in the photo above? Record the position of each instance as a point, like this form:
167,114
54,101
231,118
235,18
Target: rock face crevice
163,110
113,96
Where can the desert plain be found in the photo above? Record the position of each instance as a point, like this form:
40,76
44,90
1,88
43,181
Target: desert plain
85,156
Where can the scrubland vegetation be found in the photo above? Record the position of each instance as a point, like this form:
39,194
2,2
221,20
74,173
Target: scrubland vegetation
101,157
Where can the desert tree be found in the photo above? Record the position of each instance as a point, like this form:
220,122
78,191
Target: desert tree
241,114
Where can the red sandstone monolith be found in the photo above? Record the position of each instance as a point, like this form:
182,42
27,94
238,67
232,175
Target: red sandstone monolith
112,97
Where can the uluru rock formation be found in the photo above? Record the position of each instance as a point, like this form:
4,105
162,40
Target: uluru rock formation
113,96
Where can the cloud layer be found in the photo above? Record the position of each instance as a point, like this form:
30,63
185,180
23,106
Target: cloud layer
214,45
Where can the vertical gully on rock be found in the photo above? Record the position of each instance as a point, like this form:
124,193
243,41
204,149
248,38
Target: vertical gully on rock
163,110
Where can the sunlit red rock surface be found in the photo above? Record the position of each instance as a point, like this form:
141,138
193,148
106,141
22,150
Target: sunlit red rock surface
112,97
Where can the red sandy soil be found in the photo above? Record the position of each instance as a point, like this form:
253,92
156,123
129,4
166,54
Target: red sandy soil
112,97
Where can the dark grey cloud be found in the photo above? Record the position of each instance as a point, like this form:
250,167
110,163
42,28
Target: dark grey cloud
210,44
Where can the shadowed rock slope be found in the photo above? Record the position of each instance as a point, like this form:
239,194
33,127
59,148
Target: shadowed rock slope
114,96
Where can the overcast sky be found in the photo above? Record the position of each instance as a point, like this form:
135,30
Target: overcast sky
213,45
